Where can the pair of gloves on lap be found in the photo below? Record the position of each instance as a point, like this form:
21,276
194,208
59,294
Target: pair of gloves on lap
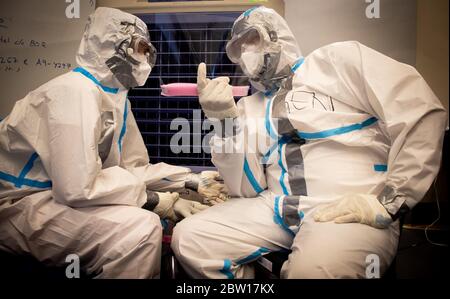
169,205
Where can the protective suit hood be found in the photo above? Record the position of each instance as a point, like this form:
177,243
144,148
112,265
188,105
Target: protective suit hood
102,50
281,48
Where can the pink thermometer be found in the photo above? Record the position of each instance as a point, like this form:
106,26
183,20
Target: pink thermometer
190,90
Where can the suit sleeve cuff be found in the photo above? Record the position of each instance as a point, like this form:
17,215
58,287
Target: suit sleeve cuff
393,202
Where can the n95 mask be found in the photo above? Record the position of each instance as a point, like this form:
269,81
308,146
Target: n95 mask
141,72
252,63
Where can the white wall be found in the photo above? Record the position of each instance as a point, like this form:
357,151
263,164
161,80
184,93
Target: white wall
316,23
25,23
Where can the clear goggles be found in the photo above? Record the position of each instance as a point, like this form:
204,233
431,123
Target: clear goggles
141,50
251,39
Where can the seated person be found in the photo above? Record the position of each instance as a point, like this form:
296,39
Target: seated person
353,139
75,176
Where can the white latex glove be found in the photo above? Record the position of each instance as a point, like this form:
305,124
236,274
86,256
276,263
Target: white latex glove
165,207
359,208
215,96
186,208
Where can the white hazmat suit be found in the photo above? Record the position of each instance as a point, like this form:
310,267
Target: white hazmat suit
343,120
74,169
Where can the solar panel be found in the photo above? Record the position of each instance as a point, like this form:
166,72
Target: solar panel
182,40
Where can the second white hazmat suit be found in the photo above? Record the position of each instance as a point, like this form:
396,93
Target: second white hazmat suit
345,125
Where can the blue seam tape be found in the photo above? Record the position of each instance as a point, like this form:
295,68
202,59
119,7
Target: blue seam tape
272,149
26,169
21,180
298,64
226,270
93,79
7,177
277,217
249,11
269,128
251,178
301,215
37,184
267,155
269,93
124,125
268,125
283,170
25,182
338,131
380,167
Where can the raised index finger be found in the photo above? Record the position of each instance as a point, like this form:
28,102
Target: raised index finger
201,76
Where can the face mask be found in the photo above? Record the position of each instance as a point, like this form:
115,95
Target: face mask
141,72
252,63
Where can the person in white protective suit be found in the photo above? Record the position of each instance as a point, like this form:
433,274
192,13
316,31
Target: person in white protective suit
75,176
354,139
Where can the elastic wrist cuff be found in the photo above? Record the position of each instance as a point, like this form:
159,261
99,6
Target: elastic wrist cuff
394,203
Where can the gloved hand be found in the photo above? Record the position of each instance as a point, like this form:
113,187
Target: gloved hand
208,184
215,96
360,208
169,205
186,208
164,208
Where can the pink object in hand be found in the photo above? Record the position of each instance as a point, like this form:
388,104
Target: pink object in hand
190,90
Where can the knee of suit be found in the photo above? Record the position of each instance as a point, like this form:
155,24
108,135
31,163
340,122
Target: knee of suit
320,267
143,227
151,224
183,236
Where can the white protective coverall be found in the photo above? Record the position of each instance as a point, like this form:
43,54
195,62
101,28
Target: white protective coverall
348,120
74,168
